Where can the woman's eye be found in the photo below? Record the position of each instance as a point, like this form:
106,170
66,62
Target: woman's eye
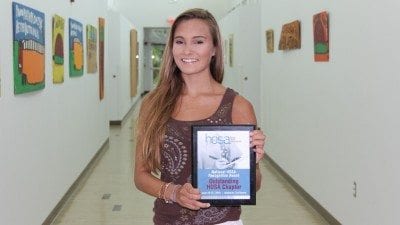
199,42
179,42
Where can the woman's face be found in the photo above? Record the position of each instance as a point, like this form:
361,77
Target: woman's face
193,47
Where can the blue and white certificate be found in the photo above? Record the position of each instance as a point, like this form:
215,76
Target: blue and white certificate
224,164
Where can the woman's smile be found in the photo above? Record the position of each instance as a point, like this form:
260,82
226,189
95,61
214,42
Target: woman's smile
189,60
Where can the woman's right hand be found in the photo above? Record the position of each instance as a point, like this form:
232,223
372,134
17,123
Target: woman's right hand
188,197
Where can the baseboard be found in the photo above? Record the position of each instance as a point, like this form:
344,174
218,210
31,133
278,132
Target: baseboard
309,199
120,122
74,187
144,93
115,122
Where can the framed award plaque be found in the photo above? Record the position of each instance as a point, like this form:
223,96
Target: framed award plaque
224,164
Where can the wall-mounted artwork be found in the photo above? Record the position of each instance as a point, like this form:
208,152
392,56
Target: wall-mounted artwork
226,53
231,50
28,45
91,48
290,36
58,48
75,48
134,62
101,57
321,37
269,35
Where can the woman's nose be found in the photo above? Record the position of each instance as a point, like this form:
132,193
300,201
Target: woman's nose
187,49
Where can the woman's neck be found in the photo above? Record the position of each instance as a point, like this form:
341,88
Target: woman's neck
197,85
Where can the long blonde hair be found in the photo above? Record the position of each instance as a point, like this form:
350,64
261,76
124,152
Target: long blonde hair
158,106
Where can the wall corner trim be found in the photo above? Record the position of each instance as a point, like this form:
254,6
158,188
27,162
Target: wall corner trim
307,197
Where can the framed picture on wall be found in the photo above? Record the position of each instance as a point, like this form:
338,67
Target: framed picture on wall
269,35
76,64
321,37
134,62
290,36
91,48
226,50
231,50
58,48
29,49
101,57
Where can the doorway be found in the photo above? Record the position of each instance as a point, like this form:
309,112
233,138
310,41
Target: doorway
155,39
157,51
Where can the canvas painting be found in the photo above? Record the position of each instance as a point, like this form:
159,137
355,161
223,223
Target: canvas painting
101,57
290,36
321,37
58,49
75,48
270,40
29,49
231,50
134,62
91,48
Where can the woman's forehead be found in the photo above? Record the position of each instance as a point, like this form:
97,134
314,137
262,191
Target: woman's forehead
195,27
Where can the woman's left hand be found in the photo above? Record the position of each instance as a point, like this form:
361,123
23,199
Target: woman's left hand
258,140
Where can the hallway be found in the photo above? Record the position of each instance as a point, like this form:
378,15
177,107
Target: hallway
108,196
333,125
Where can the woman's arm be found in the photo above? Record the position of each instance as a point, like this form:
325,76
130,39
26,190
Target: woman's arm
243,113
143,178
145,181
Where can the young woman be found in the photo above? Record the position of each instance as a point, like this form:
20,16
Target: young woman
189,92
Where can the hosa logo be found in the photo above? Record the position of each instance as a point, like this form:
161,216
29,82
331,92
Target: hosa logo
216,139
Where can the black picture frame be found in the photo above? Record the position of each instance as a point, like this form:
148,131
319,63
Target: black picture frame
224,164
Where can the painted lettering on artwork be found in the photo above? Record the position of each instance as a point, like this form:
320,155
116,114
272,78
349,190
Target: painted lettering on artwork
27,22
76,29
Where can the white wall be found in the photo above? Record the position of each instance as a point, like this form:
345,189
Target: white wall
154,13
334,123
244,75
118,83
47,137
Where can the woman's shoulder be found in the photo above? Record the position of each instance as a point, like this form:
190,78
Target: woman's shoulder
242,110
239,100
241,103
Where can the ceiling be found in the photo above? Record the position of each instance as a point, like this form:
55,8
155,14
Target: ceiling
155,13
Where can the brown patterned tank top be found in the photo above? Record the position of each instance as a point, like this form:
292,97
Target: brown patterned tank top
176,167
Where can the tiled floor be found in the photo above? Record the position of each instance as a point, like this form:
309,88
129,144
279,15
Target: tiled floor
109,197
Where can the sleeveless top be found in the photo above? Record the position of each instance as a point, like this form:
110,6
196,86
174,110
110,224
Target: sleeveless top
176,167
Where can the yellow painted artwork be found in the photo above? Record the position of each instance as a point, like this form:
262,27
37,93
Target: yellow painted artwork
58,49
91,48
270,40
